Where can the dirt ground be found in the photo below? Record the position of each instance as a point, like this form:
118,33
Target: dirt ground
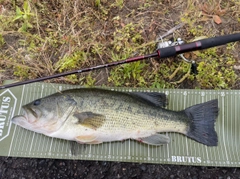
49,168
96,28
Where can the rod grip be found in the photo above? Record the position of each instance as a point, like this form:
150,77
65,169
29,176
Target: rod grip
167,52
220,40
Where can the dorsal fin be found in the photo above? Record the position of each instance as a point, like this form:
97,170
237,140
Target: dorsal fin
152,98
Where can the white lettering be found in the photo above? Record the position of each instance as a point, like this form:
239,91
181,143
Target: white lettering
174,158
3,112
2,125
4,108
1,128
199,160
2,118
179,158
186,159
190,159
7,108
6,99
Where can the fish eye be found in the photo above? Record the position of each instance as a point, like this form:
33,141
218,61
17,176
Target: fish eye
37,102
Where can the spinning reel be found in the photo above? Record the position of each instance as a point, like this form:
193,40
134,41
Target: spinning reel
168,43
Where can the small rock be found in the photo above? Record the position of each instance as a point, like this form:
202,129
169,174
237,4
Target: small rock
224,171
104,163
41,162
143,168
62,164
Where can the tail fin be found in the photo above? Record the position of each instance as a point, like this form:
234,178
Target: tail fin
203,117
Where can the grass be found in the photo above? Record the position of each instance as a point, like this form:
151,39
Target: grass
40,38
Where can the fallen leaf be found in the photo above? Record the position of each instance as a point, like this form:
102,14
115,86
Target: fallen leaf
205,14
204,8
217,19
221,12
122,24
187,55
236,67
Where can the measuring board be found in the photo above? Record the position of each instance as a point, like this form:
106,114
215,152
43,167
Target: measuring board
18,142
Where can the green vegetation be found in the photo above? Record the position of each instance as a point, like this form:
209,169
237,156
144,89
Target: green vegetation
216,71
24,16
40,38
1,40
129,75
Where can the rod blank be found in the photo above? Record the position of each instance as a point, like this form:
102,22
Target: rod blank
161,53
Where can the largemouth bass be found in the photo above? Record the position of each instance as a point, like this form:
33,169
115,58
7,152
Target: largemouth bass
93,116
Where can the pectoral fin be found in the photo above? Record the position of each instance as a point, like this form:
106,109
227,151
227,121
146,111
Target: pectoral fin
156,139
90,119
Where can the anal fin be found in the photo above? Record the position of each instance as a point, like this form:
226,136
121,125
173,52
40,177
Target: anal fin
156,139
83,139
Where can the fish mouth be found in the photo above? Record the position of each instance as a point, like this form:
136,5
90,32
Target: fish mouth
18,119
30,120
29,116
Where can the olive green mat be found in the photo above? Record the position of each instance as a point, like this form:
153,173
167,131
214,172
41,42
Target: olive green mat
18,142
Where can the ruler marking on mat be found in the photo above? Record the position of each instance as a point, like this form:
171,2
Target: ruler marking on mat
223,131
33,134
182,148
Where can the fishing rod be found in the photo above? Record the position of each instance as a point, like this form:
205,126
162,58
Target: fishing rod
165,52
